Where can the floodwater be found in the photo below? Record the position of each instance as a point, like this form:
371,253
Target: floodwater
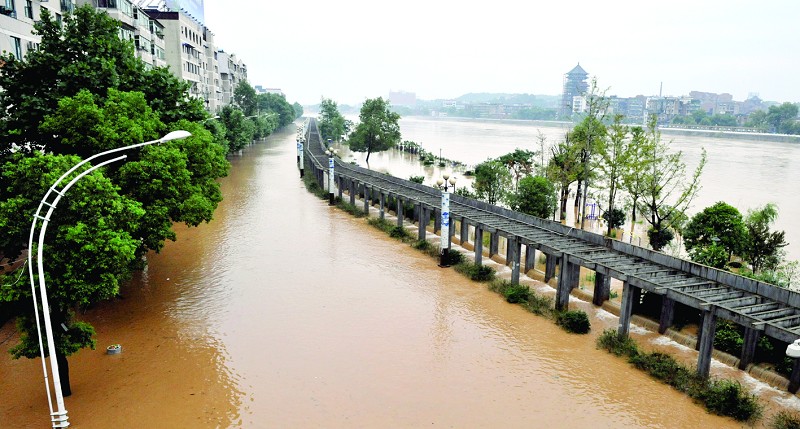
744,173
286,313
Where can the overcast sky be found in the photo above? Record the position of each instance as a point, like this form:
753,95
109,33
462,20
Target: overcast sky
352,50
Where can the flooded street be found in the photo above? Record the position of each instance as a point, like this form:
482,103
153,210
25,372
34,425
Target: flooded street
286,313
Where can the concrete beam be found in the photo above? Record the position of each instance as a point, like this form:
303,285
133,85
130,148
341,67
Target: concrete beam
706,343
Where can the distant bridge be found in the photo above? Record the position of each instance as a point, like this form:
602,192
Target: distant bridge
761,308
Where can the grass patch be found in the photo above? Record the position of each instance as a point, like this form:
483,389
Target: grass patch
313,187
399,232
574,321
515,294
785,420
721,397
422,245
477,272
382,224
453,257
541,305
350,208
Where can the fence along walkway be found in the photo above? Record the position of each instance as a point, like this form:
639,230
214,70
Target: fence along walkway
761,308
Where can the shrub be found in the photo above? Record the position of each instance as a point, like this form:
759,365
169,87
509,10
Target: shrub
665,368
350,208
728,338
619,346
729,398
785,420
453,258
615,217
417,179
540,304
517,293
398,232
477,272
575,321
382,224
422,245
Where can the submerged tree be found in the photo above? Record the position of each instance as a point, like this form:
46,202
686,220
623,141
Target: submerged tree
763,247
377,130
332,125
519,163
492,181
535,196
562,169
614,153
720,225
667,192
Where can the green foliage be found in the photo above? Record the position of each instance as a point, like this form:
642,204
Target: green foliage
477,272
275,107
574,321
720,225
659,238
540,304
84,52
332,125
618,345
492,181
382,224
244,97
422,245
298,110
666,190
377,130
615,217
519,163
713,255
785,419
536,196
729,398
721,397
399,232
417,179
452,258
763,247
517,293
350,208
239,131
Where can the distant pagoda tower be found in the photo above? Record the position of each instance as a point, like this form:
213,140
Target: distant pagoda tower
574,85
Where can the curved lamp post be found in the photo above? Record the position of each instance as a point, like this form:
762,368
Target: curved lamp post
59,417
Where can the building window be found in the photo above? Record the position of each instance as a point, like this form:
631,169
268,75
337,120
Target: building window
108,4
67,6
17,44
28,9
7,8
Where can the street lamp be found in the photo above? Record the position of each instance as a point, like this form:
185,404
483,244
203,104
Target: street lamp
331,162
59,417
444,243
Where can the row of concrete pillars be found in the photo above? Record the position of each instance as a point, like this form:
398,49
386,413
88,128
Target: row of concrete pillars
568,277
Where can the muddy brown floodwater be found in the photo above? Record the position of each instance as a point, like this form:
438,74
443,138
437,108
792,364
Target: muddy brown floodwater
286,313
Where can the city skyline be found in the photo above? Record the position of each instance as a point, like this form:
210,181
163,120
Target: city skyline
353,50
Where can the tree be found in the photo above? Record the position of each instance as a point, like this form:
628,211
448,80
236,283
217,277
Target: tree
89,251
492,181
277,104
70,99
332,125
298,110
633,177
519,163
84,52
588,134
666,190
377,130
614,160
239,130
562,169
719,225
536,196
763,247
244,96
782,119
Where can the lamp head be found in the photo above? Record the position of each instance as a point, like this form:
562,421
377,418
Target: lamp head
453,180
175,135
446,176
439,182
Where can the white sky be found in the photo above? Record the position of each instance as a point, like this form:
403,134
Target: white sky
350,50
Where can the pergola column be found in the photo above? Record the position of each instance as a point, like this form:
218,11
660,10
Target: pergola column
478,244
515,249
625,309
602,288
667,314
706,343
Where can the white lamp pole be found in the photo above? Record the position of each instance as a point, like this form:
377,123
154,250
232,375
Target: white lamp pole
59,417
331,162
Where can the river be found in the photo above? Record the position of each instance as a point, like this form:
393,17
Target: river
286,313
744,173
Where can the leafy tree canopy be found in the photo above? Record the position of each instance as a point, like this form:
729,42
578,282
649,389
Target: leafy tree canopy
720,224
535,196
492,181
377,130
244,96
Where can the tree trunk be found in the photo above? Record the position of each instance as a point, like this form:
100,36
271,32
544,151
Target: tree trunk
63,373
576,208
564,197
633,218
583,207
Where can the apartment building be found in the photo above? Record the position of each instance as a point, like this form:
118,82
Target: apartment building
231,71
167,33
16,22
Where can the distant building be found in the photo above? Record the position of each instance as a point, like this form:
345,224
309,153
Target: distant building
402,98
574,85
261,90
16,23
